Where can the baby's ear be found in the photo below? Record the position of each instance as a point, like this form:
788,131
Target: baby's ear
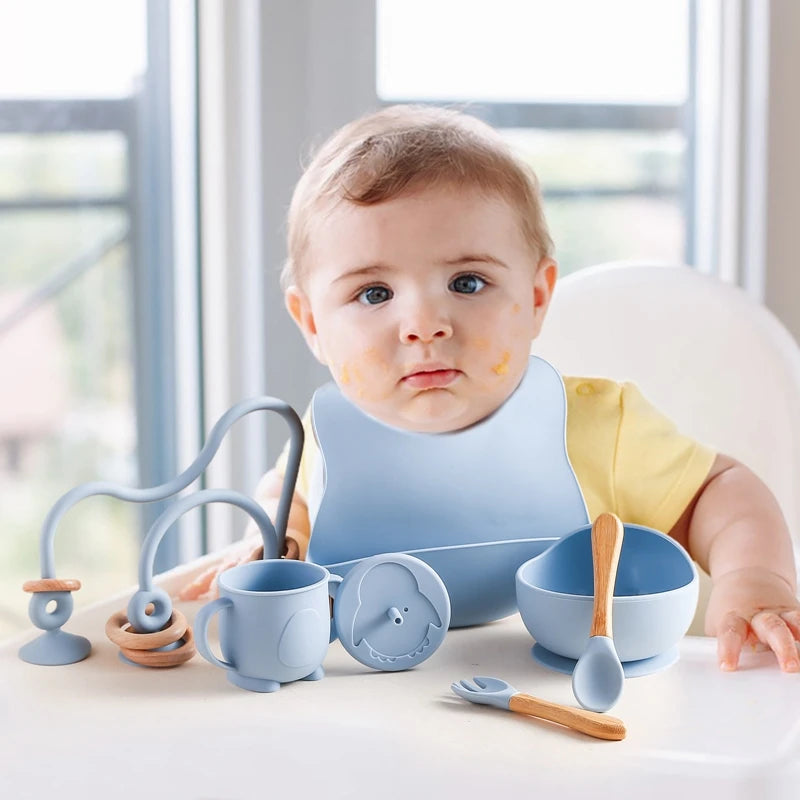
299,308
543,286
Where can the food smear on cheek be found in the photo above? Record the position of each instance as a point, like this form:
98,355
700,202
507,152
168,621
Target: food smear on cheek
373,358
516,308
368,384
502,367
344,375
480,384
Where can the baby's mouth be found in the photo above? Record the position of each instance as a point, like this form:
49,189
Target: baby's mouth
431,379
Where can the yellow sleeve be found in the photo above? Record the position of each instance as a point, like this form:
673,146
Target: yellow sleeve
628,457
307,461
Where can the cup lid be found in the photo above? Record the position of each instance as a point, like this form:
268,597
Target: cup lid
391,611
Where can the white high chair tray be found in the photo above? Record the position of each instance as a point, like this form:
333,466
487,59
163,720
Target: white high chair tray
102,728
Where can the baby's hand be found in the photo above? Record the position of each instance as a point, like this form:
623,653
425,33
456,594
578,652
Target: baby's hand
204,586
752,606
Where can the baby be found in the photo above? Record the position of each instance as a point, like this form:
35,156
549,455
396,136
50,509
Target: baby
420,271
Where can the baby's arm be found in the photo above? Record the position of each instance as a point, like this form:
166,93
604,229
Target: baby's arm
735,530
250,547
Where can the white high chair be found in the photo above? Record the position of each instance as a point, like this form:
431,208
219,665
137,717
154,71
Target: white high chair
716,361
706,354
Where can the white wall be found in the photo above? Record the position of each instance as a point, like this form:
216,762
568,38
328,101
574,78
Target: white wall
782,290
319,72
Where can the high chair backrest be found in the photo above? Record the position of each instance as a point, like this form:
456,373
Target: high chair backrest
717,362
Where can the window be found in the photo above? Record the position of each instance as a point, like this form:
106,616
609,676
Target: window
86,281
595,96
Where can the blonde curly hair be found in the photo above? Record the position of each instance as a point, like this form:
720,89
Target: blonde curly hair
400,148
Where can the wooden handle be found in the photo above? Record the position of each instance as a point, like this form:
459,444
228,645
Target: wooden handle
607,533
600,726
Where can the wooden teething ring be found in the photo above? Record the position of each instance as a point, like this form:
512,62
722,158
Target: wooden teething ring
142,648
163,658
119,631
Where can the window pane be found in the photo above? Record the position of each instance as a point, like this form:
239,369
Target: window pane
67,408
71,165
83,48
594,96
608,194
615,51
594,230
67,414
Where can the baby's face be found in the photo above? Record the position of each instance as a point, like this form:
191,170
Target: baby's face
424,306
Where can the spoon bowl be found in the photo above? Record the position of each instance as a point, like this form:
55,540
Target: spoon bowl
598,678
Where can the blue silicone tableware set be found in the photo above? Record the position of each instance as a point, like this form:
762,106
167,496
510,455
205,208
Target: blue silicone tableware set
391,610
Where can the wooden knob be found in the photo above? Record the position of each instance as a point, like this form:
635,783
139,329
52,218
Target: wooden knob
51,585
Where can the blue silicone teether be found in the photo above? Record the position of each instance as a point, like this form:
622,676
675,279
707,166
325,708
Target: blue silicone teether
56,647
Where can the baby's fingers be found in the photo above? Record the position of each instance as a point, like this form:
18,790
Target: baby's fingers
731,636
773,630
792,619
292,549
199,586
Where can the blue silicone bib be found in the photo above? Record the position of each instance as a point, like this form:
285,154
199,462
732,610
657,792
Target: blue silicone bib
390,490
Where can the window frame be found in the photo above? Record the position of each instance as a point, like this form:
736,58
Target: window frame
163,268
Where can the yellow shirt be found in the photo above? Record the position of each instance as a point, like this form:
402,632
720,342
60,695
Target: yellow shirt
628,457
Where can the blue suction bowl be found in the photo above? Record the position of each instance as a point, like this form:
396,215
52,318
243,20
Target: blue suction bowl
655,594
479,577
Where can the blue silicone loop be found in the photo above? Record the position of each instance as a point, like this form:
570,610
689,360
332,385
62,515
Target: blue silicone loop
50,620
157,618
148,623
136,495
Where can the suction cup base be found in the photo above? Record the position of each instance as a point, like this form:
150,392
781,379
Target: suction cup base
253,684
56,648
632,669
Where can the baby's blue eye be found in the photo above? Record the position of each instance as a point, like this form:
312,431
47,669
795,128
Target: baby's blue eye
467,284
374,295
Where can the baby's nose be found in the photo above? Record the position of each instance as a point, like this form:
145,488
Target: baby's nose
421,329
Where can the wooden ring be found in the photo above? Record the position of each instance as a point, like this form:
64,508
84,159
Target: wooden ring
51,585
163,658
119,631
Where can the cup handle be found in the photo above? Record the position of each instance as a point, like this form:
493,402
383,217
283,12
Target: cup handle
201,630
334,582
